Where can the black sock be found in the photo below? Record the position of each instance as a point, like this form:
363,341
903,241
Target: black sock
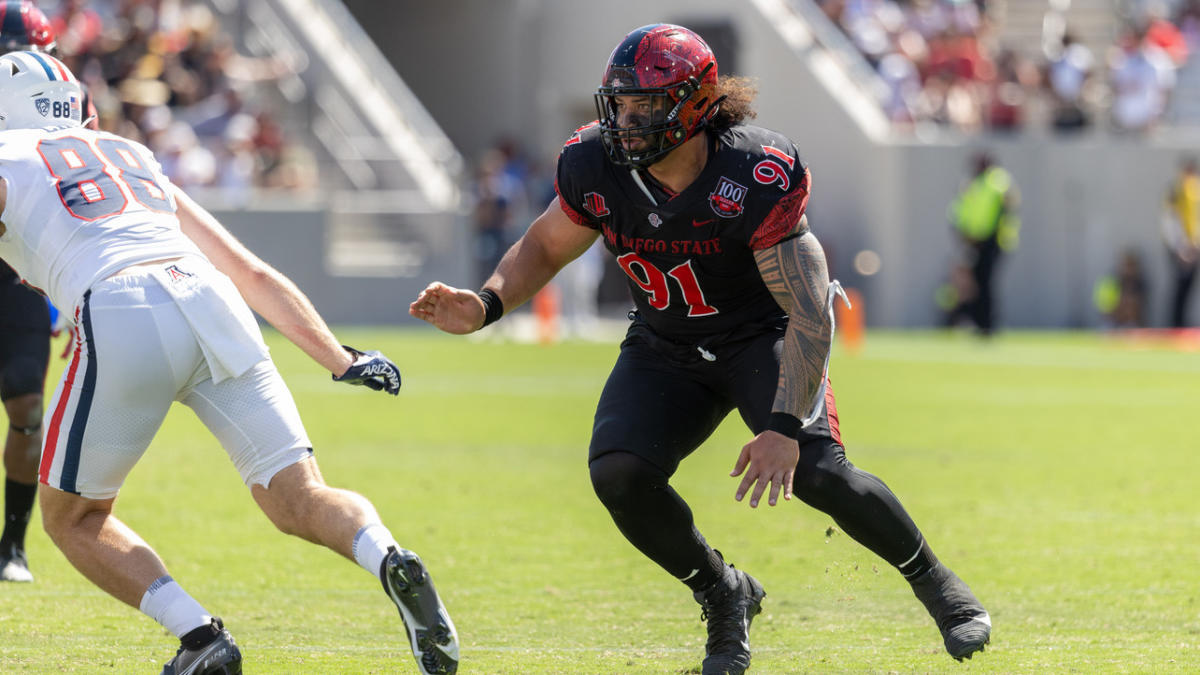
18,509
710,576
862,506
198,638
919,564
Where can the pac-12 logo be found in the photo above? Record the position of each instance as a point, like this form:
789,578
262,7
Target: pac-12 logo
726,199
60,108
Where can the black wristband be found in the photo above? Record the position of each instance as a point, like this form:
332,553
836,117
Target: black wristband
783,423
493,308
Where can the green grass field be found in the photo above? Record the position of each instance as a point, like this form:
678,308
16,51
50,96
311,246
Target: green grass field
1056,473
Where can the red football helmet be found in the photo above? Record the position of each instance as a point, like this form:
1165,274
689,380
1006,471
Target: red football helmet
24,27
673,68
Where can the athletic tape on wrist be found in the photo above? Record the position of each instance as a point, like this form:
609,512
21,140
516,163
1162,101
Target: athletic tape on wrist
493,308
783,423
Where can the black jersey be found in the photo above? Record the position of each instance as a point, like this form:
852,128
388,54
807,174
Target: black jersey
8,275
690,258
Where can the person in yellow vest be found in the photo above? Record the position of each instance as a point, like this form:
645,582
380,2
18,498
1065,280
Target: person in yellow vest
984,217
1181,230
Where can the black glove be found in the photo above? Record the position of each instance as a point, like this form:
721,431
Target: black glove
372,369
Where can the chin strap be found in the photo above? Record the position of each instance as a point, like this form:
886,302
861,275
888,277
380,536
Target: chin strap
637,178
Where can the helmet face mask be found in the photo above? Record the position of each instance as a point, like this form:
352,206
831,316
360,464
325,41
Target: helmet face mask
667,75
642,133
38,91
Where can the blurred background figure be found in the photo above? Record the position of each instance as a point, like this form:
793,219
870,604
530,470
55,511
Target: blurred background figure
956,297
580,283
500,202
984,218
1067,74
1122,296
1142,76
1181,232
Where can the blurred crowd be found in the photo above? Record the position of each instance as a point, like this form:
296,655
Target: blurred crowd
944,63
163,72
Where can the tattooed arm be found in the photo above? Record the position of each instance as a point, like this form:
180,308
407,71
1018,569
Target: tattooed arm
795,273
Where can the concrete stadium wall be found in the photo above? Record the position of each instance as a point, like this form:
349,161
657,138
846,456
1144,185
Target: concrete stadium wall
296,242
527,68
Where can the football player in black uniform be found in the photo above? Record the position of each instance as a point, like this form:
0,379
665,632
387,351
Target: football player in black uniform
24,354
24,345
705,214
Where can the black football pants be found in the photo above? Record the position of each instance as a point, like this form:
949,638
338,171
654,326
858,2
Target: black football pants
659,405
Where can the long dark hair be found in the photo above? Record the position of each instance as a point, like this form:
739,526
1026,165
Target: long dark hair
739,93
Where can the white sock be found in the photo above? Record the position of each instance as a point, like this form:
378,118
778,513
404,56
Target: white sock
167,603
370,546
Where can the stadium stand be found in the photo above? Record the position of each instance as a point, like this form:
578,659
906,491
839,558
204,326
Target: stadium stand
284,119
309,125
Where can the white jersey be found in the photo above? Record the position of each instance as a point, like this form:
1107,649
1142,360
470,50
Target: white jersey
82,205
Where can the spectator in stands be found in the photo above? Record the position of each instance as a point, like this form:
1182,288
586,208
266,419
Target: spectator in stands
967,82
1067,74
1164,34
1142,78
1181,232
139,55
1187,17
1007,92
77,26
870,24
237,163
904,87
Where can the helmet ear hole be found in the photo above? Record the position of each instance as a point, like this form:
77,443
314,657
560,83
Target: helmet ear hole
37,91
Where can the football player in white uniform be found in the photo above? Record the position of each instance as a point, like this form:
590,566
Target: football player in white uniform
155,286
25,331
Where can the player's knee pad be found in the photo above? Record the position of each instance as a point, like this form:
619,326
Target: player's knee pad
622,479
22,375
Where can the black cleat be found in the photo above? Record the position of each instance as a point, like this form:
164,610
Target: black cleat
13,564
965,625
430,631
729,606
221,656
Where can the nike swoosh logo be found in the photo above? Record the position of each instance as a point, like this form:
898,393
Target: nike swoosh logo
701,223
